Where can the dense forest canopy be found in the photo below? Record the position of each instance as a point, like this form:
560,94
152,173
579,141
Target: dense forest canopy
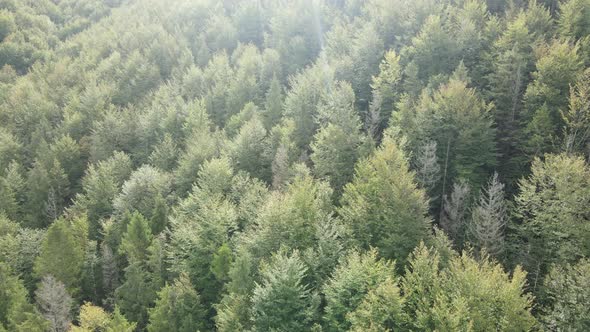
304,165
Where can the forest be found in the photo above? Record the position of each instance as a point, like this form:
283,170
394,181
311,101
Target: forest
294,165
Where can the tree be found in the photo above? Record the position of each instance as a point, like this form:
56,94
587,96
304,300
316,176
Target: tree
247,150
454,213
558,67
282,301
552,206
489,219
464,294
383,206
356,276
573,19
61,256
428,169
16,313
178,308
387,86
100,186
511,72
339,143
577,117
460,123
380,311
141,191
93,318
54,303
137,239
273,106
567,288
136,294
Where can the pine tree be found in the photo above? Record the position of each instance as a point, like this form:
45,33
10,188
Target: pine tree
54,303
383,206
177,309
454,213
273,107
568,289
16,313
428,168
61,256
577,117
282,301
136,294
489,219
380,311
552,202
386,86
137,239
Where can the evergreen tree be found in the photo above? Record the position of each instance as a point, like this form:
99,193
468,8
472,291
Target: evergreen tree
136,294
137,239
61,256
568,292
453,219
577,117
282,301
386,85
178,308
551,205
383,206
489,219
54,303
16,313
356,276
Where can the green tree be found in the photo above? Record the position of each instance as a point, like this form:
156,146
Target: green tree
100,186
574,18
282,301
16,313
383,206
137,239
380,311
551,206
142,190
61,256
273,106
546,97
387,85
568,290
178,308
577,116
356,276
136,294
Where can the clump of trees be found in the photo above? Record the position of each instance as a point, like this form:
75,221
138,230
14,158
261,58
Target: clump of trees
294,166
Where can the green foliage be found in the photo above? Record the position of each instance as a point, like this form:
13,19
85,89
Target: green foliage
16,313
567,288
61,255
93,318
282,301
277,157
137,239
356,275
552,206
136,294
178,308
383,206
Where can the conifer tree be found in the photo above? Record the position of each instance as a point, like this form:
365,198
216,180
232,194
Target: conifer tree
489,219
178,308
383,206
54,303
61,256
282,301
